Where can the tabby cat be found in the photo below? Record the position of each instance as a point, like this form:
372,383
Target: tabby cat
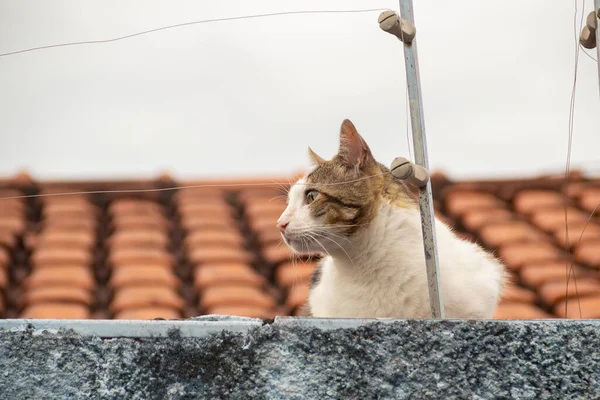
367,226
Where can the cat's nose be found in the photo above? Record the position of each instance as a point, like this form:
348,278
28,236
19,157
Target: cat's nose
281,225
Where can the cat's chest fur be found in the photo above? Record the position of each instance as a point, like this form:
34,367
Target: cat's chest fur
385,275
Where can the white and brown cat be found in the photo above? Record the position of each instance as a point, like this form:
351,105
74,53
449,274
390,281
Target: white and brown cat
367,226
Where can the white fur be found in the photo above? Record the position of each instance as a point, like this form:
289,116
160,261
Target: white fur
380,271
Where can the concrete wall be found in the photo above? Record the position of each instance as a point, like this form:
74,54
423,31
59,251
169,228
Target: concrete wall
300,359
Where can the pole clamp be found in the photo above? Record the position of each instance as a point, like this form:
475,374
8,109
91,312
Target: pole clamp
413,174
403,29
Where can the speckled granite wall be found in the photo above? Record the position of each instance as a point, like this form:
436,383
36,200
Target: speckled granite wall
302,359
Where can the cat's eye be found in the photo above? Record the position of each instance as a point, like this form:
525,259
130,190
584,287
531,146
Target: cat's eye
311,195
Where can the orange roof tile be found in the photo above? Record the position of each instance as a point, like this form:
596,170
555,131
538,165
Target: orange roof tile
235,295
56,311
145,313
210,275
58,294
134,297
143,275
178,246
519,311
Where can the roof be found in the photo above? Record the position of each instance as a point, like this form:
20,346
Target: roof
215,250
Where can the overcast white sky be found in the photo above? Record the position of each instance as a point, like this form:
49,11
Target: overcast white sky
244,98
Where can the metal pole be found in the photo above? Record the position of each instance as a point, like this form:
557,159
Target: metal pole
597,12
404,29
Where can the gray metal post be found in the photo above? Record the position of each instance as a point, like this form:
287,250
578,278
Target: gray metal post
406,32
597,12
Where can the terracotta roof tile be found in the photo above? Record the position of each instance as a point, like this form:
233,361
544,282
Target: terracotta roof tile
242,311
461,202
231,238
227,274
143,275
552,220
589,253
575,189
261,224
134,222
517,294
520,311
204,223
212,255
145,296
214,238
206,209
494,235
289,274
534,275
164,264
58,294
553,292
199,194
13,205
235,295
269,237
56,311
589,201
278,254
80,277
140,256
250,194
139,238
579,231
3,278
590,308
7,239
70,224
516,255
122,207
145,313
13,224
529,201
12,211
54,238
268,210
5,258
63,198
297,296
69,210
57,256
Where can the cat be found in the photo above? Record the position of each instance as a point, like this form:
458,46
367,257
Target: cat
366,225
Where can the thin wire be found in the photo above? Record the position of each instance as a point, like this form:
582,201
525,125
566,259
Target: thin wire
587,54
193,23
570,270
277,184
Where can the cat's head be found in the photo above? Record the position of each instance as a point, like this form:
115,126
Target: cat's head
328,207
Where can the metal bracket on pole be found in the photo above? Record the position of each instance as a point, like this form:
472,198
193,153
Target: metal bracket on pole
404,29
414,174
587,38
597,24
590,34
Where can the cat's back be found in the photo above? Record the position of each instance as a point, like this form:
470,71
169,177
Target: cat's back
391,280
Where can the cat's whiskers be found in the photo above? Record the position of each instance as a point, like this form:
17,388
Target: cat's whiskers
340,246
319,243
328,232
281,196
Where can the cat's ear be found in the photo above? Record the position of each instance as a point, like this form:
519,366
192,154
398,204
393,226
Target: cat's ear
353,150
315,158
